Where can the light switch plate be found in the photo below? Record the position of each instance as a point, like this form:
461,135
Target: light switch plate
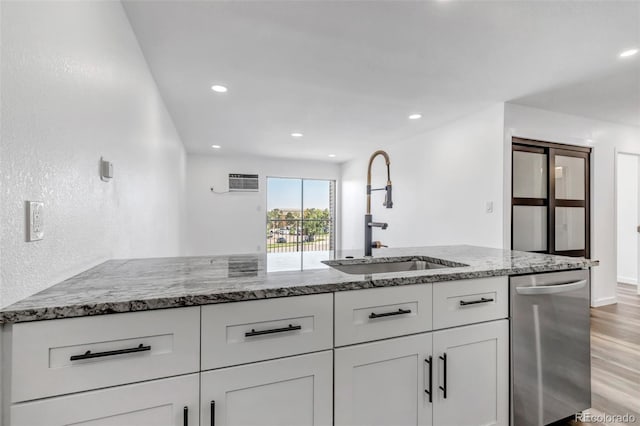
35,221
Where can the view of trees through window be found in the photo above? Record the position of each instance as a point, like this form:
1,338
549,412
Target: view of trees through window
300,223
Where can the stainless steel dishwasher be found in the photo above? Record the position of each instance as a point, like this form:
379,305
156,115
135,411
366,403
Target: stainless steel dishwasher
550,347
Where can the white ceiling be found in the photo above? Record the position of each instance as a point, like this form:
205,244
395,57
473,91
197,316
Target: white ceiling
348,73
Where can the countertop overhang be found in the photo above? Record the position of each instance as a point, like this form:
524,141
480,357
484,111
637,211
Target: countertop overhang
131,285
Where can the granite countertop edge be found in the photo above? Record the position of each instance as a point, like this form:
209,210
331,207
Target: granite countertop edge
16,314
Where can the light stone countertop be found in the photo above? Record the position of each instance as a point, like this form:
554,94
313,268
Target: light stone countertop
144,284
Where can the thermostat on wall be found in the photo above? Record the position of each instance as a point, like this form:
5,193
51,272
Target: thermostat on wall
106,170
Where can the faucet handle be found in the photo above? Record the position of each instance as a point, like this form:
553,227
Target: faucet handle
377,244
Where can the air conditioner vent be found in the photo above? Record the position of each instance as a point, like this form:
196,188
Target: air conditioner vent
243,183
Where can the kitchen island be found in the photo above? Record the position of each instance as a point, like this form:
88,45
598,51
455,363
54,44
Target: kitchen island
318,347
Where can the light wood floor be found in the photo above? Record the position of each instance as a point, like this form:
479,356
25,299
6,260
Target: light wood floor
615,356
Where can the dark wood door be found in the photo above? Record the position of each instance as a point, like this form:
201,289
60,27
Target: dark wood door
550,198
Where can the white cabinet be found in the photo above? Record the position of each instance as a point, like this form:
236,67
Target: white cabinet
477,375
383,383
154,403
295,391
387,382
371,354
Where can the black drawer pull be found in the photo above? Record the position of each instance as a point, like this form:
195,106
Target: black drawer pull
429,392
475,302
373,315
185,416
89,354
213,413
253,331
443,357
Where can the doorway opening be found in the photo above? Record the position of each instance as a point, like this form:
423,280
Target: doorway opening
628,218
300,223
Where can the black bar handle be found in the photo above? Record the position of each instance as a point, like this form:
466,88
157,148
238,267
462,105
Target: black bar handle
213,413
185,416
373,315
475,302
253,331
443,357
429,392
89,354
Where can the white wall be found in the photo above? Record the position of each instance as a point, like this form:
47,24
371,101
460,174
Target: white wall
235,222
75,86
605,138
442,181
628,187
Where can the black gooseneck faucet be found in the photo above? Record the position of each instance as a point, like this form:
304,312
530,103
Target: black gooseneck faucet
369,224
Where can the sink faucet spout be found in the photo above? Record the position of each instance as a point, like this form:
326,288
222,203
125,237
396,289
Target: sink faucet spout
369,224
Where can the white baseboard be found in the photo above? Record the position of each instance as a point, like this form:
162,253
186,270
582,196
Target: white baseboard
604,301
625,280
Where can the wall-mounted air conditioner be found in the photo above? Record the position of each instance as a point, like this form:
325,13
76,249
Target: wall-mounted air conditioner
243,183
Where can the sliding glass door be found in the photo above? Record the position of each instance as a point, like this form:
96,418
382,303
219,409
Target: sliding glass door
300,223
550,198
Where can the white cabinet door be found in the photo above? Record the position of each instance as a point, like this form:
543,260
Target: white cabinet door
475,375
294,391
384,383
155,403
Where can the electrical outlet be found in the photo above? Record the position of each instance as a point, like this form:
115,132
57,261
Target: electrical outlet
35,221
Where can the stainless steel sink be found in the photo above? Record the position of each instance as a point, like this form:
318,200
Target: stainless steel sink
385,265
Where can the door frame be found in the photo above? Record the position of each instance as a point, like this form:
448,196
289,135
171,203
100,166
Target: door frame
617,154
552,149
507,157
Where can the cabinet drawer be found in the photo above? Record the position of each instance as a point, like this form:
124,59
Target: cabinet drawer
242,332
379,313
70,355
164,402
470,301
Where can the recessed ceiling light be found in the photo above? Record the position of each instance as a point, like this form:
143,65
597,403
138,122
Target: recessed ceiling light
297,135
216,146
218,88
415,116
332,156
628,52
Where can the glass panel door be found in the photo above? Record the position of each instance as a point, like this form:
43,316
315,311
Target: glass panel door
529,198
530,228
284,211
529,174
569,202
570,228
570,174
300,223
550,198
317,229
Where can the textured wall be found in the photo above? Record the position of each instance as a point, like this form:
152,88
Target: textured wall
75,87
209,215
